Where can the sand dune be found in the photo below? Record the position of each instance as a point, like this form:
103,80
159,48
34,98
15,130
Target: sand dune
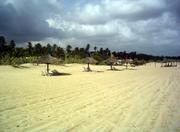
145,99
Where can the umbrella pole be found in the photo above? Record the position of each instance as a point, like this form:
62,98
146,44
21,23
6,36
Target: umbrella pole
47,68
88,67
111,67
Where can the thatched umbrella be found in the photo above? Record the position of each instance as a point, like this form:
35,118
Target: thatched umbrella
128,61
89,60
48,59
164,62
111,61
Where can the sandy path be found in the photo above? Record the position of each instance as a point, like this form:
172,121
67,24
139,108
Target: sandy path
146,99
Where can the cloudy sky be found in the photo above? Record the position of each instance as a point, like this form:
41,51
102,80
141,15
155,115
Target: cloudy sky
148,26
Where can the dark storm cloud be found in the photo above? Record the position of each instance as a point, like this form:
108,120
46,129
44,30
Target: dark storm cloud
174,7
26,20
150,26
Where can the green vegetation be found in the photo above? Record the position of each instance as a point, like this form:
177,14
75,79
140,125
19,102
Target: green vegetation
12,55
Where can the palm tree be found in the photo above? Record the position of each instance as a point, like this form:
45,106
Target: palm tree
30,48
68,49
11,48
38,49
87,47
49,48
2,43
95,48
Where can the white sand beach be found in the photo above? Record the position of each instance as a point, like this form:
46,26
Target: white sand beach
145,99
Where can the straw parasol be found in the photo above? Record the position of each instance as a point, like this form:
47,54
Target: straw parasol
89,60
48,59
110,61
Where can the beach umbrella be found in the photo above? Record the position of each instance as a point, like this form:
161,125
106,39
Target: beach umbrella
110,61
128,61
88,61
48,59
164,62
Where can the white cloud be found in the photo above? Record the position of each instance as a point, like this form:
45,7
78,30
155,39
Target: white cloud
118,24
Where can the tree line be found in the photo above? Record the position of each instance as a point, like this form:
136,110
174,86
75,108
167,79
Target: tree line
10,52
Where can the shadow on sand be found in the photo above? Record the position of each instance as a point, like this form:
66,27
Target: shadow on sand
20,67
61,74
55,73
115,69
